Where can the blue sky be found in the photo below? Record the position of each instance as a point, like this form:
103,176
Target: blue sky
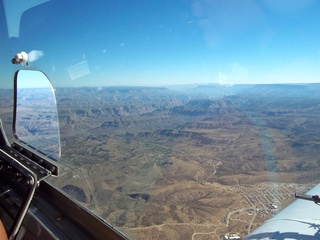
161,42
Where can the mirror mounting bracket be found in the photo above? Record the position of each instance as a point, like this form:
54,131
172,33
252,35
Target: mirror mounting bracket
35,162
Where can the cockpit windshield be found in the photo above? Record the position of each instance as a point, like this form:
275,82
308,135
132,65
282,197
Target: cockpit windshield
179,119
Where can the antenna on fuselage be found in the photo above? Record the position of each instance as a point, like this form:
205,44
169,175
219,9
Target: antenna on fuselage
313,198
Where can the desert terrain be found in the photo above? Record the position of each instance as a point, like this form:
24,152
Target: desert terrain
195,162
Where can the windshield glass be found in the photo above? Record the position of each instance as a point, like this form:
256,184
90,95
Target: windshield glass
179,119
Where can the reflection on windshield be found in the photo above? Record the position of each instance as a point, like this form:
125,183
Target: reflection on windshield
14,10
36,114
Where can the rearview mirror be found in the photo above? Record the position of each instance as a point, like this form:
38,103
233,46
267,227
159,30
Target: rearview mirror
35,120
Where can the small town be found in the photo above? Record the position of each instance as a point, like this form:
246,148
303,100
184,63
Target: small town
264,200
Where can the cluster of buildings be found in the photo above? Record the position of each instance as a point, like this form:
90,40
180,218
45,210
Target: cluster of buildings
232,236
